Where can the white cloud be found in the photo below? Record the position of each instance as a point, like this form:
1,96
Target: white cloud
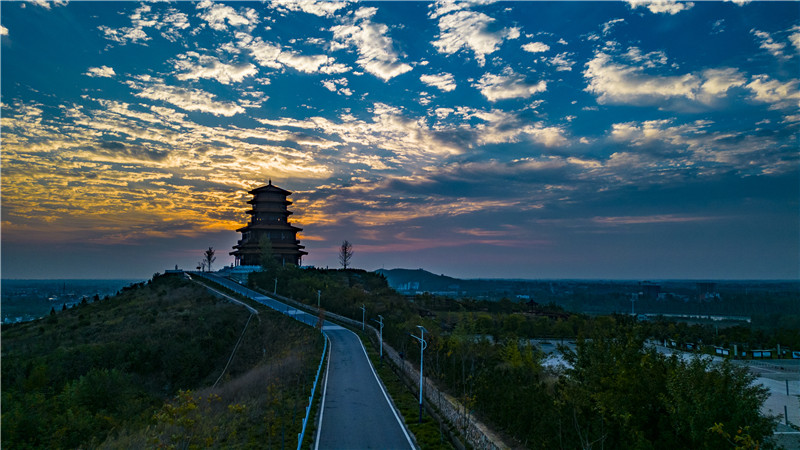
506,86
198,66
464,29
442,113
338,85
443,81
273,56
618,83
170,24
536,47
376,50
124,35
768,44
317,8
562,62
610,24
304,63
102,71
794,38
780,95
3,31
46,4
220,16
185,98
662,6
648,60
497,127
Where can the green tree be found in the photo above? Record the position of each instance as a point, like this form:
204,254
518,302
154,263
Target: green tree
268,261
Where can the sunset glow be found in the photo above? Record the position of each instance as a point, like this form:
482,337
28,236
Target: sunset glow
508,139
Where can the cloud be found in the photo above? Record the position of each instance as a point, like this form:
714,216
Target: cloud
464,29
102,71
661,6
275,57
197,66
768,44
562,62
118,151
794,38
780,95
616,83
697,147
3,31
339,85
606,27
497,127
443,81
536,47
506,86
318,8
219,16
46,3
648,60
171,25
375,48
185,98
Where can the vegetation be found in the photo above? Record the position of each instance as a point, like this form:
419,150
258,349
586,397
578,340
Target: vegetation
616,392
345,254
136,370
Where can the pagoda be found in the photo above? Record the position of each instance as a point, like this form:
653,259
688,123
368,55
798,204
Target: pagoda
270,219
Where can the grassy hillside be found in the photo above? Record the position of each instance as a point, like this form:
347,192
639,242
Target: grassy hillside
135,370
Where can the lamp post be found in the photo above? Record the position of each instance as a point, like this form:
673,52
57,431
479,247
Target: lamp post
363,313
422,346
275,291
381,324
319,293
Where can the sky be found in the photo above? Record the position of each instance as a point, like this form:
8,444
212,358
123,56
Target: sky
623,140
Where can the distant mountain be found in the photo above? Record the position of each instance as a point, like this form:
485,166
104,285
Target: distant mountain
412,280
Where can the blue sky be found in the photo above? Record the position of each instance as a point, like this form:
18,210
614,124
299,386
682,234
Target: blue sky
636,140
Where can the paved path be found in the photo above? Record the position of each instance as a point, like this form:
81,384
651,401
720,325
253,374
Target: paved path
355,412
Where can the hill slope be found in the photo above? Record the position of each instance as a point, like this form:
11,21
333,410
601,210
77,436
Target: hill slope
72,378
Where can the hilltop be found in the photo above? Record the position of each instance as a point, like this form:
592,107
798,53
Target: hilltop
136,370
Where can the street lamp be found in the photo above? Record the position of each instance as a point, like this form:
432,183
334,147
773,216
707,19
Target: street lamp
275,291
363,313
381,324
422,346
319,293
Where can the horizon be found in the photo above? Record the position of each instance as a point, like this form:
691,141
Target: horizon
630,140
586,280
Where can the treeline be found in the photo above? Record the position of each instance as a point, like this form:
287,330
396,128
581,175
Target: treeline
613,392
136,370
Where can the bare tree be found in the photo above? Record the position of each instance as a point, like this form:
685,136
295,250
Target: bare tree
209,258
345,254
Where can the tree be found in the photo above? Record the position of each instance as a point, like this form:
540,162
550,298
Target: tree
345,254
208,258
268,260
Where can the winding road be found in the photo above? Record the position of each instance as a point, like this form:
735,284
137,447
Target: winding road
355,411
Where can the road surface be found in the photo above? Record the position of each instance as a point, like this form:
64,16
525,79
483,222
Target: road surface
355,411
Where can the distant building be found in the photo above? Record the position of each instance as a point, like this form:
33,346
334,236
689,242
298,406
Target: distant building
270,220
